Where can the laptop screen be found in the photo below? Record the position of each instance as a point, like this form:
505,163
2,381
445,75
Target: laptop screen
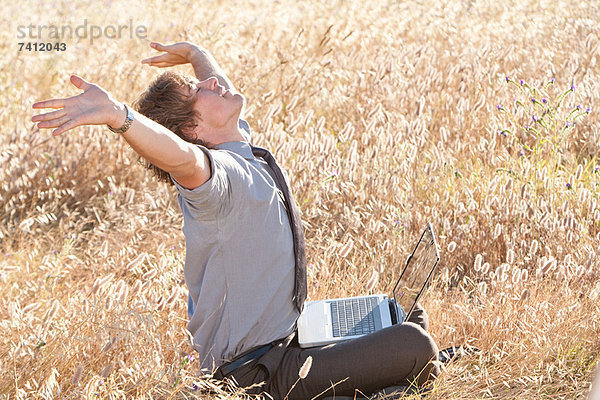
417,271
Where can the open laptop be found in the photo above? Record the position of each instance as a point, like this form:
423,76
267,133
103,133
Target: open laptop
335,320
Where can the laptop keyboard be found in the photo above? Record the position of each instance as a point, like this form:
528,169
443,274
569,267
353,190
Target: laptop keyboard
353,316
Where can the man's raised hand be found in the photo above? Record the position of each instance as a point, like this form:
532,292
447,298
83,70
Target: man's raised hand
95,106
175,54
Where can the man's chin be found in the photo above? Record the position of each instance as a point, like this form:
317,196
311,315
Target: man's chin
240,97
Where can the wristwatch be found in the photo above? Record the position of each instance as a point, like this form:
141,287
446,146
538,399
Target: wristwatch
127,123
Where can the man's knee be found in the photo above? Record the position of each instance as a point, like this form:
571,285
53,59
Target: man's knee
419,316
424,351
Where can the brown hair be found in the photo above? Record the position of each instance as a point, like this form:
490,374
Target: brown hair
167,104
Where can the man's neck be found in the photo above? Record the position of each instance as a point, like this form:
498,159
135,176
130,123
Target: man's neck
230,136
220,137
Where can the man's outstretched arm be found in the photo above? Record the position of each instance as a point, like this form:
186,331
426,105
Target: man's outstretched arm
206,66
184,161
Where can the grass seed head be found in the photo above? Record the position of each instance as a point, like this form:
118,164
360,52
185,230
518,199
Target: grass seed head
305,369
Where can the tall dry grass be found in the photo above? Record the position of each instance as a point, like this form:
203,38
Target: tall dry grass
385,115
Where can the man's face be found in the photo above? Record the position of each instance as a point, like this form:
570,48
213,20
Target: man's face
219,109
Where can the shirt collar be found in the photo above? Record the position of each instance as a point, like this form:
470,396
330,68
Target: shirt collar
241,148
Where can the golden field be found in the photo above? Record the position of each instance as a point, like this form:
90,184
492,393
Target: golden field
386,115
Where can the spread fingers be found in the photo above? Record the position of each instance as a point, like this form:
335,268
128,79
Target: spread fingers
54,123
53,103
49,116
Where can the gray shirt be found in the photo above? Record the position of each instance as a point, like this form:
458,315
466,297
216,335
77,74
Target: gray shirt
239,264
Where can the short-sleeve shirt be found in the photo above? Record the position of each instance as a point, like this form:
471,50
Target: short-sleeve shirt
239,263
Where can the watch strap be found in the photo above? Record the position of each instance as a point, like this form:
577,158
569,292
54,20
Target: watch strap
126,125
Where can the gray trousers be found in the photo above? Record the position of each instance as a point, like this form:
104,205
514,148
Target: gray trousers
396,355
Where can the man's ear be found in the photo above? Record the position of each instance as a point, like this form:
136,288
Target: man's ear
194,133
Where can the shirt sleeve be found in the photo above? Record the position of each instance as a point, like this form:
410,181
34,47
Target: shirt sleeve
210,199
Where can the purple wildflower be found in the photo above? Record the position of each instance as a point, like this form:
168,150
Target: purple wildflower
506,77
544,100
569,123
534,118
552,80
499,107
526,127
522,82
573,87
588,110
194,387
533,100
579,107
522,153
568,185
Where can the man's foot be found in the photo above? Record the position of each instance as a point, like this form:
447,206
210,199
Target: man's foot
388,393
398,392
455,352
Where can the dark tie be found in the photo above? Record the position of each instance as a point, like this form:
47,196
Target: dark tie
296,225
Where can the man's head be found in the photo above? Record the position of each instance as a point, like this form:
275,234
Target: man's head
218,111
199,112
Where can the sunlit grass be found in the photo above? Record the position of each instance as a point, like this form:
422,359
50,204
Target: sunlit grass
385,116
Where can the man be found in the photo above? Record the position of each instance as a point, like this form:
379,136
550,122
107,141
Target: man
244,267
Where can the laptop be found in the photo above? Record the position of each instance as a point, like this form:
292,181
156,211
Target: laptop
334,320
